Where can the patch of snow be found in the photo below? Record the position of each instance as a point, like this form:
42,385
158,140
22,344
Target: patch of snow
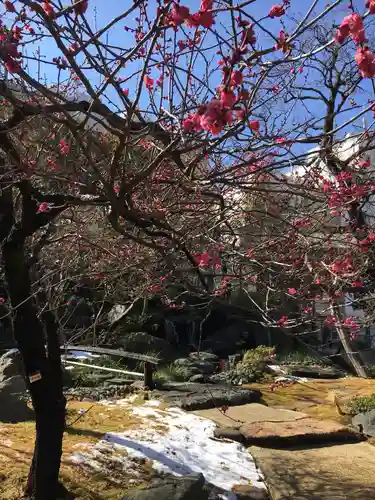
292,378
80,355
276,368
154,402
87,458
182,443
116,313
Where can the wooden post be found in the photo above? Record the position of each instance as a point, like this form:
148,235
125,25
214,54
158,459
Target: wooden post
148,370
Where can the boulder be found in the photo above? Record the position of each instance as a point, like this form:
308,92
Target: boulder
10,364
119,381
227,340
13,406
327,372
247,492
191,397
137,385
204,367
229,433
185,362
204,356
143,343
221,378
197,379
179,488
365,423
200,366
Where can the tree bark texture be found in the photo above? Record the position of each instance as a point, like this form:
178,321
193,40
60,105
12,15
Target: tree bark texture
42,366
353,357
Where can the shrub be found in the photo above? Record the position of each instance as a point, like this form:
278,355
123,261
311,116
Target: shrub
252,366
370,370
300,358
172,373
361,404
87,377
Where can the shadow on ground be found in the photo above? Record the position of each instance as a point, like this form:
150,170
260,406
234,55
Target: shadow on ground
342,472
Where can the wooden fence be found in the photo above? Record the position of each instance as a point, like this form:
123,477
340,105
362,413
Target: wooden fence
149,362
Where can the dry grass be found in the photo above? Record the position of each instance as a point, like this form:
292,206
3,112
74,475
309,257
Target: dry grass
316,397
17,442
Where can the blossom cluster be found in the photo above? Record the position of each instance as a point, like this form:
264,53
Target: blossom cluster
352,26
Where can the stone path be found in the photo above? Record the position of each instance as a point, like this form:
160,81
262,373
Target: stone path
266,426
316,396
288,449
342,472
191,396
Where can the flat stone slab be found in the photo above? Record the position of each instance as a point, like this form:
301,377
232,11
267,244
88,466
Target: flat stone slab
190,396
181,488
342,472
236,416
267,426
306,430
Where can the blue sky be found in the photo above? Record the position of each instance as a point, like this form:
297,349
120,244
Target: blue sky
101,12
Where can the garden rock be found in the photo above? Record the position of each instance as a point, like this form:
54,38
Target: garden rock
229,433
204,367
185,362
198,379
191,397
204,356
143,343
246,492
200,366
312,371
221,378
93,394
227,340
137,385
119,381
13,407
184,488
365,423
10,364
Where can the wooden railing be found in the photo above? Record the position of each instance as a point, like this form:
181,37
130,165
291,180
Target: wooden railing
149,362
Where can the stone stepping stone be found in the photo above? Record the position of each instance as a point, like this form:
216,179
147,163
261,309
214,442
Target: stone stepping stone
341,472
297,432
266,426
191,396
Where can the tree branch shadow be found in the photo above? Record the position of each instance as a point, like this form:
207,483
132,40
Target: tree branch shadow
290,475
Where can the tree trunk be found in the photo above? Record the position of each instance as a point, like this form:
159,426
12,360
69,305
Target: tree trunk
353,358
43,373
